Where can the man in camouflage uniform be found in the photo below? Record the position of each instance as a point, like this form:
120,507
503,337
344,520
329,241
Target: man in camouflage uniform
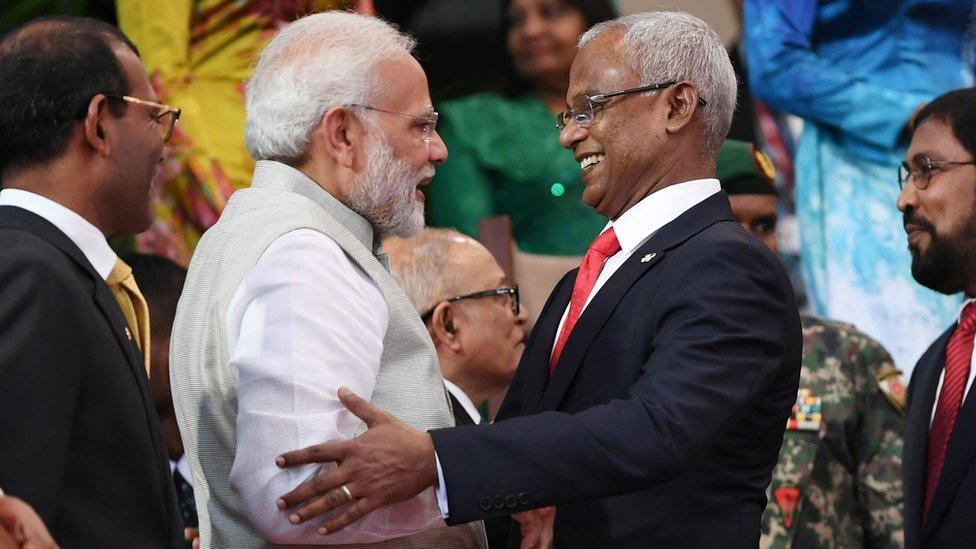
838,479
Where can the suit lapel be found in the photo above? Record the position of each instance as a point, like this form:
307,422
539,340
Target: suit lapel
962,445
916,432
536,361
709,211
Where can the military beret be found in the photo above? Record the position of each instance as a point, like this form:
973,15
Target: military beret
744,169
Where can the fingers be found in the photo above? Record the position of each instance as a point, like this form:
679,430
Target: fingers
353,512
314,487
319,453
362,409
332,500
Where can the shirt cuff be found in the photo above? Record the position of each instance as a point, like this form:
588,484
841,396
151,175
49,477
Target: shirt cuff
441,490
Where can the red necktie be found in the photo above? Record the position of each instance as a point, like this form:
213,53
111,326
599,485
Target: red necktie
959,355
603,247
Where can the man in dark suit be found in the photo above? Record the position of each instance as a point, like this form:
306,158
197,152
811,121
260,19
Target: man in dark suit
651,400
81,135
938,200
474,318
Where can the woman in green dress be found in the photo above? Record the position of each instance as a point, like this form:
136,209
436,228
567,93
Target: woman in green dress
504,153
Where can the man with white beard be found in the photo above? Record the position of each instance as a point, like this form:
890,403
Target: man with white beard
288,298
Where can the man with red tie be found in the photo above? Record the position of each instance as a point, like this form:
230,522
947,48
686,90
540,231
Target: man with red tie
938,201
651,399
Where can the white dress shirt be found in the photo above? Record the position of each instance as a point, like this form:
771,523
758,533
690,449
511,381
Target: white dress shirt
638,224
304,322
86,236
972,370
183,466
465,401
633,229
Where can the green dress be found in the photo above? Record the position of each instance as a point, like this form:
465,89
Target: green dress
504,158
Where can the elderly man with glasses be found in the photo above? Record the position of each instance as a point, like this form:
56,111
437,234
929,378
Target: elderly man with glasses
473,317
652,397
288,297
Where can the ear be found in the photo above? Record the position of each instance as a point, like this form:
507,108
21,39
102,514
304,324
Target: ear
682,104
95,125
341,133
444,326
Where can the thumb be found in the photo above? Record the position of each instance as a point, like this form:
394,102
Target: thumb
362,409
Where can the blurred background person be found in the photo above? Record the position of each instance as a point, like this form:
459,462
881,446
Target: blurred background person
161,281
856,72
505,153
838,478
474,318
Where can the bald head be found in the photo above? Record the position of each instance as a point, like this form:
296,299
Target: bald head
438,264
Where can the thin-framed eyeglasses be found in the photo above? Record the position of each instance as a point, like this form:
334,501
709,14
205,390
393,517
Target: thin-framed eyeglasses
583,117
165,116
921,176
427,123
511,291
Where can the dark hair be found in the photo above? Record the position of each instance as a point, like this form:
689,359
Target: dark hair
50,69
161,282
594,11
958,109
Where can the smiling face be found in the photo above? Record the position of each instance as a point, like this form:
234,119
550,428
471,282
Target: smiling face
542,38
619,152
941,219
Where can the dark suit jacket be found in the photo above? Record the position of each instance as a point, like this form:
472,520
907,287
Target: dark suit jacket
79,437
664,417
952,518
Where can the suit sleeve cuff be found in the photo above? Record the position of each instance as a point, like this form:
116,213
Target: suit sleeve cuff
441,490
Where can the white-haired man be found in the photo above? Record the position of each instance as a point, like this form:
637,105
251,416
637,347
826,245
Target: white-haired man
474,318
652,397
287,297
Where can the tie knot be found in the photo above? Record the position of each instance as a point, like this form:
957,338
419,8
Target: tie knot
967,320
606,244
120,272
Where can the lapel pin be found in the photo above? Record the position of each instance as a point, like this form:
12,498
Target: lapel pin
128,334
648,257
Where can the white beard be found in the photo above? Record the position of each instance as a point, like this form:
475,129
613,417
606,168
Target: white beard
385,193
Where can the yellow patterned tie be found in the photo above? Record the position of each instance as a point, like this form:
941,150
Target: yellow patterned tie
133,305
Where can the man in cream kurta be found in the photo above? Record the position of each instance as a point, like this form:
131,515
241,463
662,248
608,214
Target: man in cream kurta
287,297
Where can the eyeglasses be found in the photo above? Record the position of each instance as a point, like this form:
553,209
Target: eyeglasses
583,117
922,175
426,124
165,116
511,291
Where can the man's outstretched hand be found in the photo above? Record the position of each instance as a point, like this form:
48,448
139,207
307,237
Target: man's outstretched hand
387,464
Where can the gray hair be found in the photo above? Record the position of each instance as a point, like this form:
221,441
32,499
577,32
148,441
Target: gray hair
313,64
662,46
424,268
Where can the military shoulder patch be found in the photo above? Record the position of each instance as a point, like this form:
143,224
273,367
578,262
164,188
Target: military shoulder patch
807,412
787,498
892,387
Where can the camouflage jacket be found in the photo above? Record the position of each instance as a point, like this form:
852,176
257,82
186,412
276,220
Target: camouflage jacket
838,479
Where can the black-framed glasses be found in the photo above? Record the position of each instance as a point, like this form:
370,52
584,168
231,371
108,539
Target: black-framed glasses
427,124
921,175
511,291
165,116
583,117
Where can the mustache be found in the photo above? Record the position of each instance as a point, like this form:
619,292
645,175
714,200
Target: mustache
911,217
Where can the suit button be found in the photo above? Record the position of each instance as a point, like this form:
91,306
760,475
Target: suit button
498,502
484,503
523,498
511,501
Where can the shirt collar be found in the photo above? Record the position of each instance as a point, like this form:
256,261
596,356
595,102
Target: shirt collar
658,209
86,236
466,403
